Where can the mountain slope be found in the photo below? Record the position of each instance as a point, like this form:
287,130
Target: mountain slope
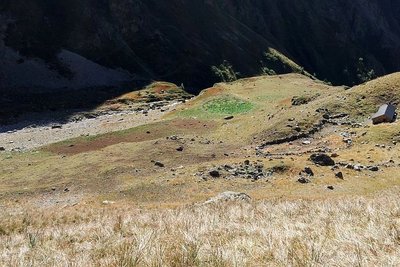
180,40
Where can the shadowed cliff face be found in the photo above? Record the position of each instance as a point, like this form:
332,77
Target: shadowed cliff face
179,40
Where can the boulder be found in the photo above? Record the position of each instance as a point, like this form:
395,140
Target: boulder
373,168
214,174
229,196
322,160
308,171
339,175
303,180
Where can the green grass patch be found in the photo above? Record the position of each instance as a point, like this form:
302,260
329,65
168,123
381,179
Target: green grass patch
218,107
227,105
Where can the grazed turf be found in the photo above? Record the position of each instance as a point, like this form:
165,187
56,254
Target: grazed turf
228,105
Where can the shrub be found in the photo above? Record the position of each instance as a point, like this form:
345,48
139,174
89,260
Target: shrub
225,72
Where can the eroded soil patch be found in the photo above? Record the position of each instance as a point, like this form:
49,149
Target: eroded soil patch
139,134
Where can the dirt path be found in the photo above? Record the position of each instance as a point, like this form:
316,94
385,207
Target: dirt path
32,137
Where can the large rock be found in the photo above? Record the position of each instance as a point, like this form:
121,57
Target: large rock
229,196
322,160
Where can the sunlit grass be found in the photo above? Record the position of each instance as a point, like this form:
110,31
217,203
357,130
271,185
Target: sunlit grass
353,231
227,105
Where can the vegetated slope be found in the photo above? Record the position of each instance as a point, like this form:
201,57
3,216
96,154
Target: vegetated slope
261,119
180,40
350,231
136,197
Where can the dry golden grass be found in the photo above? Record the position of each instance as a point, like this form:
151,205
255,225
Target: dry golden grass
351,231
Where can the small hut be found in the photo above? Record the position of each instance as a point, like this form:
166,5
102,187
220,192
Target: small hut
386,113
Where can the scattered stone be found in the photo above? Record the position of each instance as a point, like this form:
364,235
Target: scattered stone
301,100
345,134
373,168
246,170
2,148
358,167
303,180
56,126
322,160
180,149
174,138
322,110
307,142
228,167
348,141
330,187
334,155
350,166
308,171
214,174
66,189
107,202
229,196
339,116
159,164
339,175
229,118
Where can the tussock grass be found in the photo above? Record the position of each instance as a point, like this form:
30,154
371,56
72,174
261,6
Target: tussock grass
352,231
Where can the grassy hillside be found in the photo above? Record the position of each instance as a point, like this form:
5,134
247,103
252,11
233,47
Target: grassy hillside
136,197
226,124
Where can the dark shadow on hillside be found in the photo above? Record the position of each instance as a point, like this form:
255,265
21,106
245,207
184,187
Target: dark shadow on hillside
19,110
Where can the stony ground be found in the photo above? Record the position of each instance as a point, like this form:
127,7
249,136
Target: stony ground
27,135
